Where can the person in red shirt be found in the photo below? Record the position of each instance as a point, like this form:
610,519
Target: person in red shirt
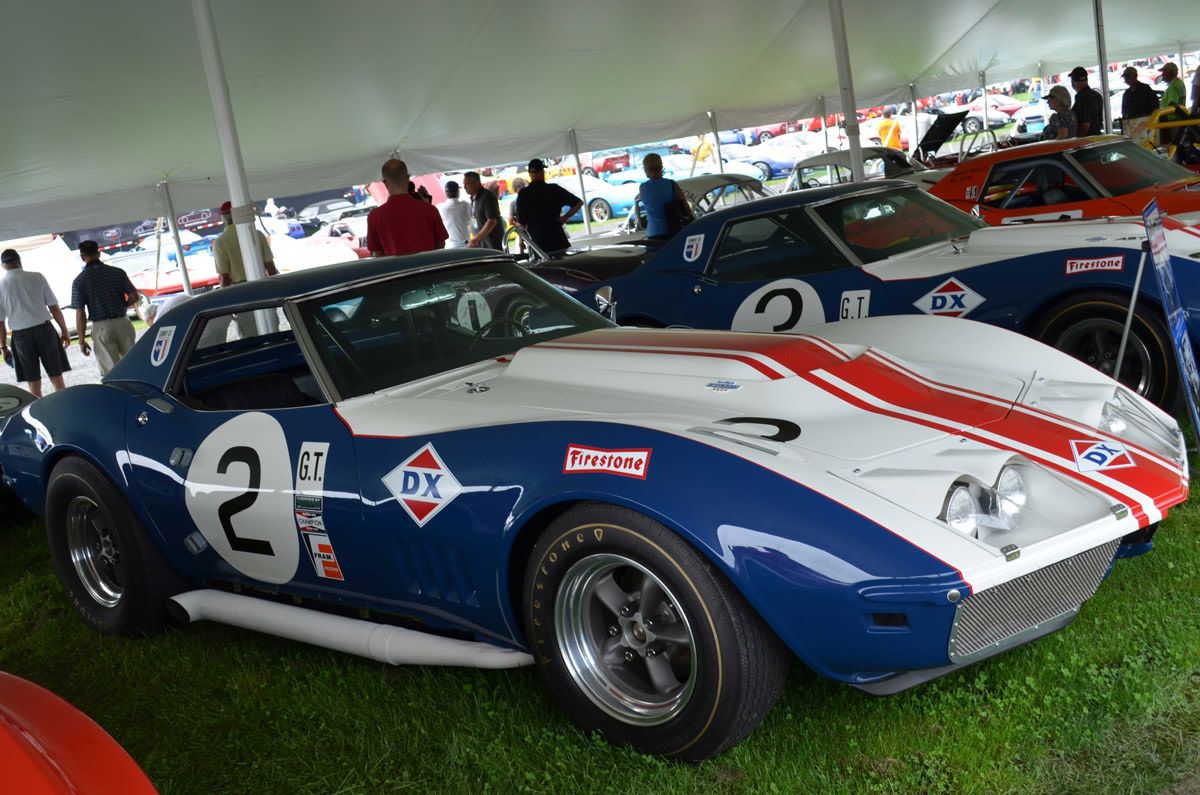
403,225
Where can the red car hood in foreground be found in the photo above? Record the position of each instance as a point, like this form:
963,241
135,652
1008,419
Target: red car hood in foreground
48,746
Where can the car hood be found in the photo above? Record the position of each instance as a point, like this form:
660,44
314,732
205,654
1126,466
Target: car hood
702,384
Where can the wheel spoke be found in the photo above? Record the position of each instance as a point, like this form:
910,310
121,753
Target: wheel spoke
661,674
1100,342
651,597
612,651
610,594
672,633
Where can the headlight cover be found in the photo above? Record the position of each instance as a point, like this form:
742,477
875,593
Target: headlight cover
1126,418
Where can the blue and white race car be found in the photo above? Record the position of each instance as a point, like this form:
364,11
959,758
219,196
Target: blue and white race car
660,520
887,248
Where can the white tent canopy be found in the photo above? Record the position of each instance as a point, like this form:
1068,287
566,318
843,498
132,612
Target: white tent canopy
101,101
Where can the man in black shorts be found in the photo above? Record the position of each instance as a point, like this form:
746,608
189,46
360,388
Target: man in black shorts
539,208
26,305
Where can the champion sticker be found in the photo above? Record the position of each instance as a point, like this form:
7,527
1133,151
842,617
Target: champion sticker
423,485
1113,263
627,463
723,386
310,522
692,247
324,559
951,298
162,345
1096,455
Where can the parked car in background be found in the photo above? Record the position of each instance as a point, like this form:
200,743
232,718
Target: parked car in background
776,157
603,199
1073,178
191,242
605,161
879,162
324,211
765,132
678,167
1000,109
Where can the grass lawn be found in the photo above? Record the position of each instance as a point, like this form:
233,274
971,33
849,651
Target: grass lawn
1109,704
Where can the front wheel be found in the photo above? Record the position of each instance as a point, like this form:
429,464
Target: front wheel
972,124
588,171
765,136
765,170
600,210
642,640
1089,328
108,566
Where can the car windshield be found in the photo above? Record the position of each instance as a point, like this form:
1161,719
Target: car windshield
1124,167
880,224
383,334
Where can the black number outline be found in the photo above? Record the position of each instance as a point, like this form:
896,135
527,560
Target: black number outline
242,454
790,293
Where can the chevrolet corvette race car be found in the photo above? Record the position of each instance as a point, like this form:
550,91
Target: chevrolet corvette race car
884,248
660,520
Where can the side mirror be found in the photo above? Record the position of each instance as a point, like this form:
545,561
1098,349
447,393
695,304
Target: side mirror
605,304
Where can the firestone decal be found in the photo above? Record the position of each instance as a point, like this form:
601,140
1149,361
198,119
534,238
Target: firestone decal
1113,263
1096,455
627,463
692,246
951,298
162,345
423,485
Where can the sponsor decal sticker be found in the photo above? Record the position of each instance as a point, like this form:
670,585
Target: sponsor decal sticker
855,304
309,521
325,561
310,468
951,298
423,485
692,247
627,463
1113,263
972,191
162,345
308,502
723,386
1097,455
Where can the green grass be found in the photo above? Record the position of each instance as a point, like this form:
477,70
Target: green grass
1107,705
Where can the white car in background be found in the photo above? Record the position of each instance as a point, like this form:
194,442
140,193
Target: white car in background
879,162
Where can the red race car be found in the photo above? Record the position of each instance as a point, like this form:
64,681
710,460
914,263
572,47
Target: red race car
48,746
1072,178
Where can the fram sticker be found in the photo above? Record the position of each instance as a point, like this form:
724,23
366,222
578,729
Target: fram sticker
692,247
1113,263
1096,455
423,485
162,345
324,559
951,298
628,463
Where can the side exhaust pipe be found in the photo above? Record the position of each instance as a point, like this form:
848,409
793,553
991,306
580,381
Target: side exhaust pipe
388,644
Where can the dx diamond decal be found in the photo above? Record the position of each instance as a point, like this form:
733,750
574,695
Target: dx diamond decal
951,298
423,485
1095,455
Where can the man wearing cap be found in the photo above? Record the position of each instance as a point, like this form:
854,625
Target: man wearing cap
1089,107
456,217
228,253
104,294
1175,94
404,224
539,208
485,214
1139,99
26,305
1062,119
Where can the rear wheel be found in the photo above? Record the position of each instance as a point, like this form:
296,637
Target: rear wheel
1089,327
764,169
972,124
600,210
765,136
640,639
108,566
588,171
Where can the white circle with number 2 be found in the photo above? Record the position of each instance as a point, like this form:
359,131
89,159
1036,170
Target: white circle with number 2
253,529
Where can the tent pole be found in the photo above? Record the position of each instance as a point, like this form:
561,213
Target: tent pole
712,124
983,88
587,216
164,192
841,49
1102,53
824,129
912,104
231,153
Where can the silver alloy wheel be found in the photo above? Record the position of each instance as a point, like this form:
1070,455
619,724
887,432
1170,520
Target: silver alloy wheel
600,210
628,645
94,552
1095,341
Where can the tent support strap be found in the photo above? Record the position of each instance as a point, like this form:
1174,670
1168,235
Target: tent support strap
164,192
231,153
587,216
841,49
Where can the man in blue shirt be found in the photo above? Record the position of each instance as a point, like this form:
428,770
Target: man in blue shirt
667,209
105,294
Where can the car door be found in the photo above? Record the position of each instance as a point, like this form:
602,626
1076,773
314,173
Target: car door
1043,189
245,470
778,271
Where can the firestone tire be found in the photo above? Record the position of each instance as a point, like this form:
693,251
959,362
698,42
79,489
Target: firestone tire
107,564
640,639
1088,327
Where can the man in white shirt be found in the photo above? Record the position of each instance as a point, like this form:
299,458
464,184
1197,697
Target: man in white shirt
26,305
456,216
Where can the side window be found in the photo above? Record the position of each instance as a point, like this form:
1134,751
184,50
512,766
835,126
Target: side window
1038,184
772,247
247,361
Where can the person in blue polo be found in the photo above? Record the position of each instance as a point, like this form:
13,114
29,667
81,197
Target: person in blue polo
104,294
